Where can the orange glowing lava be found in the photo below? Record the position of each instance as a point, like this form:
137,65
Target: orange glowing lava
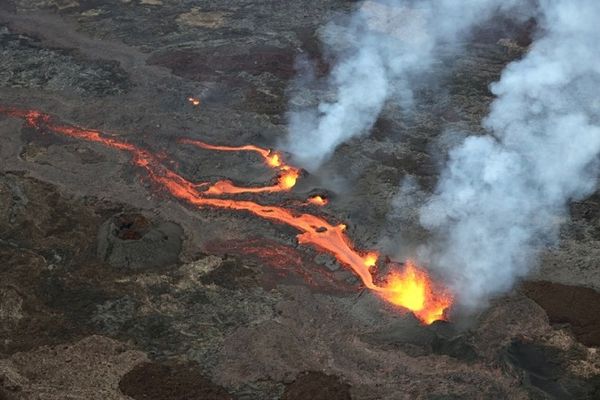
286,179
273,160
411,288
318,200
370,259
194,101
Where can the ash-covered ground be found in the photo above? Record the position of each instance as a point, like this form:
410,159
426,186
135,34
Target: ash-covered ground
110,289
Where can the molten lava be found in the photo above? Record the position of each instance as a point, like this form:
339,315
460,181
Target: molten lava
194,101
285,181
370,259
411,288
318,200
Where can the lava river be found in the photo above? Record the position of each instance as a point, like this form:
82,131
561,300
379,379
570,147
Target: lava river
410,287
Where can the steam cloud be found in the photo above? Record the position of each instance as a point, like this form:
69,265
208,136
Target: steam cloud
501,196
380,51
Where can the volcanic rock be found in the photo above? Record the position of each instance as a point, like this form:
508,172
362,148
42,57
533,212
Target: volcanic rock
231,274
546,372
90,369
132,241
317,386
328,261
458,347
95,259
27,63
576,306
170,381
406,334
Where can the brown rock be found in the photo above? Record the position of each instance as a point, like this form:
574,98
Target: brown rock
574,305
170,381
317,386
88,369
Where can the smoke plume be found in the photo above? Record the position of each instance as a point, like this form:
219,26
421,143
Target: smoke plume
379,52
501,196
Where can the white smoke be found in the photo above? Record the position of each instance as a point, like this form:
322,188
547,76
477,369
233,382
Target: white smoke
379,52
501,197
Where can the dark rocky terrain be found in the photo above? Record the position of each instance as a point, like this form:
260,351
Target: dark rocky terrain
110,289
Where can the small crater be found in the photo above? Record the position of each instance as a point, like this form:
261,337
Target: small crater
130,240
131,226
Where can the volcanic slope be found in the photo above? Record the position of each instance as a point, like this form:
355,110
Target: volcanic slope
109,288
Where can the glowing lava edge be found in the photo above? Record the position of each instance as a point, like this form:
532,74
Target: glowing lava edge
410,287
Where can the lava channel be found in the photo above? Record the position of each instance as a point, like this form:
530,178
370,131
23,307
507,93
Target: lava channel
411,288
286,179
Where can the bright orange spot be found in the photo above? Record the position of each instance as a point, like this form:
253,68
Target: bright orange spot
194,101
318,200
273,160
412,289
288,179
370,259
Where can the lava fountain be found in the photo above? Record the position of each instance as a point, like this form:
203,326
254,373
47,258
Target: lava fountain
410,288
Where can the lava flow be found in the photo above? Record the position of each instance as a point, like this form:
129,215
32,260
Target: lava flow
285,181
411,288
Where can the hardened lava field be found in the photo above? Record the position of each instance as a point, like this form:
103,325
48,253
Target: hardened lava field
136,262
